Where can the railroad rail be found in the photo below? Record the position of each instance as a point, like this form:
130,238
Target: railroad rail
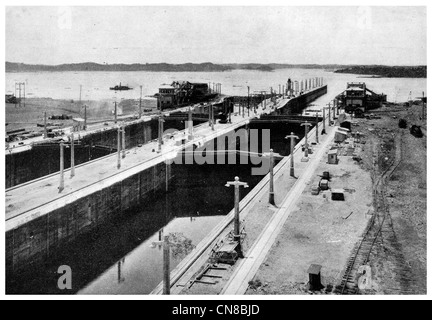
380,222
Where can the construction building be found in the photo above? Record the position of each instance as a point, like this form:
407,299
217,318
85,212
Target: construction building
357,98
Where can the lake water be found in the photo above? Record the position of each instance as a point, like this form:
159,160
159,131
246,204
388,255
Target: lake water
95,85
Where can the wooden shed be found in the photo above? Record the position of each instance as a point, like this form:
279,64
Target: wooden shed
314,272
332,157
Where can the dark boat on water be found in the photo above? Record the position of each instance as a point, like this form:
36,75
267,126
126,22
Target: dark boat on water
120,88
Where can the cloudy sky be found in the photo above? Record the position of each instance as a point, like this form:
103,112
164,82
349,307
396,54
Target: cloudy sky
236,34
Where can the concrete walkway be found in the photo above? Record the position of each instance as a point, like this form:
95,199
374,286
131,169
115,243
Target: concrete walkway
36,198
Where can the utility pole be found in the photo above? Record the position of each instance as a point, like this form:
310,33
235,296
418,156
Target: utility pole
292,143
212,119
237,183
334,109
24,88
248,103
118,147
45,126
115,112
271,94
85,117
160,130
316,127
123,130
306,155
324,130
72,156
61,186
166,263
243,106
80,93
140,110
190,124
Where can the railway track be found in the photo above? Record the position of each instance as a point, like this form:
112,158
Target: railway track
379,224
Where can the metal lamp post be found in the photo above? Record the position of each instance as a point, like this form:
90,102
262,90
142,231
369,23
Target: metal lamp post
292,142
248,103
123,131
160,130
212,117
115,111
119,147
324,130
61,185
190,124
85,117
140,109
306,155
237,183
272,157
72,156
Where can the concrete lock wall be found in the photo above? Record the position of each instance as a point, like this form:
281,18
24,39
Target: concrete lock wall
297,104
26,166
39,239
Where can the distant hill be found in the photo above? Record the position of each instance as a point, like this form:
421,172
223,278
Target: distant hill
388,71
383,71
160,67
91,66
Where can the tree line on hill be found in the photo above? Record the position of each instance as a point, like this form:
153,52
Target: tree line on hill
374,70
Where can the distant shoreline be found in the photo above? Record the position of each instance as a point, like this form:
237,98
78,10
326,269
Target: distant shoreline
386,71
366,71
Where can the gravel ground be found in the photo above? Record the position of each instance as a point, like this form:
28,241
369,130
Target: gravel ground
318,233
398,260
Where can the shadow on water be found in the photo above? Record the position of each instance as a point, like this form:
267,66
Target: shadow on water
116,258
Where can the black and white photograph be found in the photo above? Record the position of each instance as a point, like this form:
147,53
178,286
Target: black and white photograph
221,150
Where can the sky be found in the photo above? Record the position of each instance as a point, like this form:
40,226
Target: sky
219,34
